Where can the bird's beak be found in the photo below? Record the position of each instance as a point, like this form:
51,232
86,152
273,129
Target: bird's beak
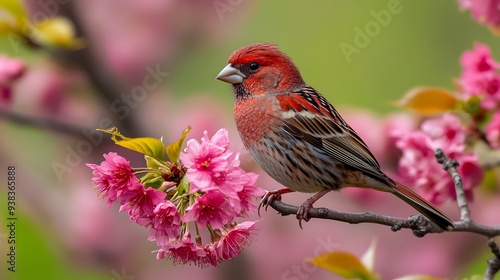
231,75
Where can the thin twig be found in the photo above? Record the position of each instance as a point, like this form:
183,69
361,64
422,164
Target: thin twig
494,262
450,166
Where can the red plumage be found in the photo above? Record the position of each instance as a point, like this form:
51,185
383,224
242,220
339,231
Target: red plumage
298,137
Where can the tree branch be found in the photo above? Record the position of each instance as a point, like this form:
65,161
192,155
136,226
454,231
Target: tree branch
450,166
494,262
48,124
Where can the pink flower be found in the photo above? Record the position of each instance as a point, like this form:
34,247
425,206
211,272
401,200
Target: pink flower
206,160
478,60
211,208
418,165
493,131
247,194
232,242
165,224
112,177
141,202
211,166
10,71
479,76
446,132
186,251
486,12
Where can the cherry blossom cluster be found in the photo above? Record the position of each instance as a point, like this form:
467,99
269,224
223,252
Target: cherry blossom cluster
475,120
419,168
486,12
480,77
200,195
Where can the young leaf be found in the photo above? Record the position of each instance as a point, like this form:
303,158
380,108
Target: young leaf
343,264
147,146
12,16
183,186
153,163
428,100
174,149
57,32
152,179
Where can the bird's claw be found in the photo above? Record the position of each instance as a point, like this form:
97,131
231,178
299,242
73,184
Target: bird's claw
268,198
271,196
302,213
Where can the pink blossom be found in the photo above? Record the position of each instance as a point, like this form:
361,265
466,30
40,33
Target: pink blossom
211,166
478,60
211,208
247,194
206,160
446,131
418,165
186,251
493,131
479,76
10,71
141,202
486,12
232,242
112,177
165,224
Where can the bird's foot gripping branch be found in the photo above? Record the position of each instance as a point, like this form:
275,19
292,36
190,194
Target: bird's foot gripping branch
182,196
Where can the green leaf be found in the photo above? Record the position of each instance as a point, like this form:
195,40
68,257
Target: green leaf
428,100
153,163
183,187
152,179
174,149
343,264
147,146
472,106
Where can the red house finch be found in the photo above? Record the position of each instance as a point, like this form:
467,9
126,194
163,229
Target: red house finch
298,137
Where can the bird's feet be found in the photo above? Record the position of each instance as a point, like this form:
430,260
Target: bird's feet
271,196
303,212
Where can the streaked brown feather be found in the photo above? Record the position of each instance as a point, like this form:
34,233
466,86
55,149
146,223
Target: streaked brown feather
329,132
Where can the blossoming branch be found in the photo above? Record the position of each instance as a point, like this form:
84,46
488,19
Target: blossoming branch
199,192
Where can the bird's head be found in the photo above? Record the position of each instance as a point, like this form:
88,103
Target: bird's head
260,69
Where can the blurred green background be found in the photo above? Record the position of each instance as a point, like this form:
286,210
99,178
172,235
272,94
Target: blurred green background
421,45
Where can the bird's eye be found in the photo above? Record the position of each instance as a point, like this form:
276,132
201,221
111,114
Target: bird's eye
253,66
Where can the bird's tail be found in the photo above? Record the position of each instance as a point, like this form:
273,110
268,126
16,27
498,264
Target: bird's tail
422,206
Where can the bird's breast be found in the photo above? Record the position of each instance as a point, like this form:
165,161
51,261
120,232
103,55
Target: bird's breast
254,118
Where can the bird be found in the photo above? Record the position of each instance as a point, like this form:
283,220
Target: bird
297,137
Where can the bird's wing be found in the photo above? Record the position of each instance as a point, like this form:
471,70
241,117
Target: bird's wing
310,117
